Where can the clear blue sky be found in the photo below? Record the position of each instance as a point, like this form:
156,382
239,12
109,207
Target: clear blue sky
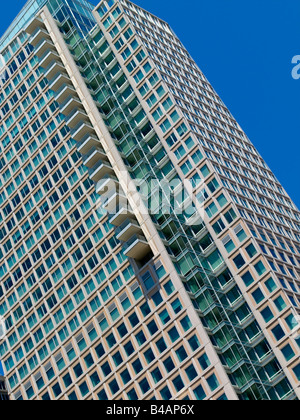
245,49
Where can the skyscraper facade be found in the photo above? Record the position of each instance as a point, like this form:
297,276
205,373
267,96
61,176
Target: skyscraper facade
147,250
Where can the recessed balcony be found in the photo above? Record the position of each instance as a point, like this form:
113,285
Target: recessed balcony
44,46
93,156
120,214
75,117
136,247
69,105
54,68
99,170
128,229
58,80
87,143
48,57
38,35
34,25
106,184
81,130
113,199
64,93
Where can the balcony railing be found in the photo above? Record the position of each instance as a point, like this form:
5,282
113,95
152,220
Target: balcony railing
48,57
75,117
87,143
53,68
128,229
107,183
99,170
93,156
64,92
38,35
58,80
137,247
120,214
43,46
81,130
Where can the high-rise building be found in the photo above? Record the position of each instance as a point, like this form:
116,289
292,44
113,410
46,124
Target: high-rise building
147,250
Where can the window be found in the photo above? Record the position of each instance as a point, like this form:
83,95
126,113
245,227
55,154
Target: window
181,354
247,279
148,281
258,296
144,385
219,226
260,268
125,376
278,332
186,323
169,288
166,394
164,316
271,285
161,345
229,245
213,382
145,309
239,261
251,250
211,210
288,352
174,334
149,356
267,314
129,349
199,393
178,383
186,167
176,305
204,361
140,338
280,303
230,216
137,366
114,387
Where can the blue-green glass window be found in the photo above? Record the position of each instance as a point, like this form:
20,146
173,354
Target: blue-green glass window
166,394
229,246
288,352
297,372
156,375
271,285
149,356
213,382
199,393
204,361
117,358
191,373
239,261
251,250
174,334
258,296
125,376
280,303
260,268
267,314
164,316
248,279
161,345
278,332
181,354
